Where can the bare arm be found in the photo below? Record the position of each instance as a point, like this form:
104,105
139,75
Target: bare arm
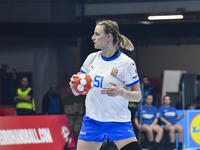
18,99
137,123
154,122
164,120
179,118
133,96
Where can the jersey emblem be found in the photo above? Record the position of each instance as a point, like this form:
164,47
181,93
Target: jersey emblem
92,67
114,72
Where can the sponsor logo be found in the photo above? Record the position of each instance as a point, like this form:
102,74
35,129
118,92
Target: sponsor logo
170,114
134,77
148,116
133,63
65,133
92,67
195,129
114,72
130,130
25,136
83,133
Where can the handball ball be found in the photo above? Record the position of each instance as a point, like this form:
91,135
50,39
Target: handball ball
83,83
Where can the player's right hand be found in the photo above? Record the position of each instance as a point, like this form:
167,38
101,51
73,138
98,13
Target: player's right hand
72,80
169,124
139,126
71,84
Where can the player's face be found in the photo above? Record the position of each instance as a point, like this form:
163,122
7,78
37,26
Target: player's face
24,82
167,100
145,81
53,88
149,99
99,37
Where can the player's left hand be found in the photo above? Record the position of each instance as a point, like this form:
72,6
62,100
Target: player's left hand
183,114
112,91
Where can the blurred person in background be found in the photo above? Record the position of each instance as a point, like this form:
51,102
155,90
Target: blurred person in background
147,114
24,99
147,88
52,103
169,118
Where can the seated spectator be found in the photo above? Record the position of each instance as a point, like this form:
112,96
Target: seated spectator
147,88
52,103
168,117
24,99
149,120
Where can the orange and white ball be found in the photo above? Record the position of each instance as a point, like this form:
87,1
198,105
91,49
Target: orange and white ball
83,83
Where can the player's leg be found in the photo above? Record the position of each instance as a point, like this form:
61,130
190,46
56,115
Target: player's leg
128,144
171,130
146,128
149,132
180,131
159,134
85,145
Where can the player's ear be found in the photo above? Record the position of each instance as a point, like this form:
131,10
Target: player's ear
109,37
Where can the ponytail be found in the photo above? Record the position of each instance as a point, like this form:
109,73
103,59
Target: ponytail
125,43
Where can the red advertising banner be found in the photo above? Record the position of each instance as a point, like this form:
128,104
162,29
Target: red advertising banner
35,133
10,111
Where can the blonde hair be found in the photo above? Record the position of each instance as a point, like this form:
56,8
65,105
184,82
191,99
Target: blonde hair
118,39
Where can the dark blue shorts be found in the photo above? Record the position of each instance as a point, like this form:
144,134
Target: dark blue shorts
21,111
97,131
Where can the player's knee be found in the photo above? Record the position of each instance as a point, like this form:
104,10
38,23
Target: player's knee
160,130
133,145
148,129
172,129
180,130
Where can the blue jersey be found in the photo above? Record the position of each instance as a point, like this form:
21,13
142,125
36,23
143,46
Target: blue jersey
148,114
168,113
